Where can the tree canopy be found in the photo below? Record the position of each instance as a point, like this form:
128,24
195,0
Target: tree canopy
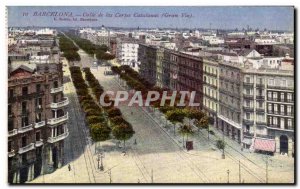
100,132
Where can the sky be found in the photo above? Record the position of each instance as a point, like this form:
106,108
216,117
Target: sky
222,17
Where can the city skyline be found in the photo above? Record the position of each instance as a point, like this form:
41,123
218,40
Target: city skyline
229,17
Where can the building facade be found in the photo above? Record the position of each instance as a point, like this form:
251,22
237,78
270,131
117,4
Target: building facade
211,87
127,52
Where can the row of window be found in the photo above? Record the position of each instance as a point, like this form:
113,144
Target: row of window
230,87
25,91
38,118
233,102
212,70
280,96
230,114
210,80
230,74
210,104
210,92
278,122
280,109
259,117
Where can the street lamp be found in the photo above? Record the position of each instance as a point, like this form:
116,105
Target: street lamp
100,158
228,175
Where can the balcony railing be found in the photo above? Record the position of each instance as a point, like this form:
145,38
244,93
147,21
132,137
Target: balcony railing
39,143
287,100
258,109
248,109
272,112
261,122
260,97
277,127
25,129
12,132
246,84
280,87
248,96
58,138
56,90
11,153
272,99
26,148
60,104
39,124
248,122
61,119
260,85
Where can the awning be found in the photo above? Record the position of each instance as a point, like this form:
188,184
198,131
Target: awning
268,145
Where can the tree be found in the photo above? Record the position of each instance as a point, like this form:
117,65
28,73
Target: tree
100,132
113,112
123,132
95,119
202,123
185,130
176,116
117,120
221,146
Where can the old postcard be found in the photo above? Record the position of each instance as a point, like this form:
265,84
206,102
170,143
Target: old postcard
151,95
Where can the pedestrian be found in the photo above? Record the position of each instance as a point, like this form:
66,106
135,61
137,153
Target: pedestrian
131,113
135,141
69,167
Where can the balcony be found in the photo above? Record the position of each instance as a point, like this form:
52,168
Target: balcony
248,109
11,153
39,143
261,123
58,138
248,122
60,104
39,124
12,132
260,85
289,88
273,99
258,109
25,129
61,119
246,84
259,97
277,127
56,90
248,96
26,148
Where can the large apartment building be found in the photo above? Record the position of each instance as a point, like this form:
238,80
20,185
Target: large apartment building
171,69
257,107
127,52
230,100
37,117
